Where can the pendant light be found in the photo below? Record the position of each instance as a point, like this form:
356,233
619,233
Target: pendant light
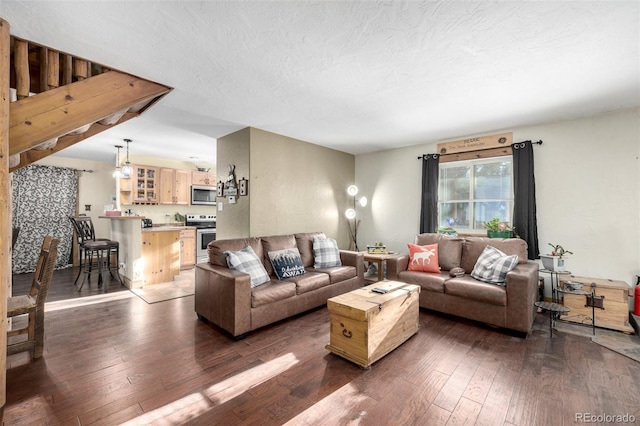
126,169
118,171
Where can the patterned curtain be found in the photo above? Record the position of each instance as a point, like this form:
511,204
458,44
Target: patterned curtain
43,198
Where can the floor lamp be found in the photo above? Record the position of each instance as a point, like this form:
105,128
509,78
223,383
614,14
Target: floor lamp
352,190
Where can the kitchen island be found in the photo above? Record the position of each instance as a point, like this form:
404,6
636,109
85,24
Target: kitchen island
150,255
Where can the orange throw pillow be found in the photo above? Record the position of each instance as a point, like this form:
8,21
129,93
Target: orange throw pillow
423,258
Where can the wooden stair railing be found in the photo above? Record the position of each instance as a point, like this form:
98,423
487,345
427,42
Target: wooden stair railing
61,99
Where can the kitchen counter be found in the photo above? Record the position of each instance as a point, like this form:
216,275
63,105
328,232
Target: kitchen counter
165,228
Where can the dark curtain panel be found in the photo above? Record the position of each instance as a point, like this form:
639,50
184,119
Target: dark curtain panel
43,198
429,213
524,191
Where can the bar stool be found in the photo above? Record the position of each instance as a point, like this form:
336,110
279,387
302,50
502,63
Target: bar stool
101,248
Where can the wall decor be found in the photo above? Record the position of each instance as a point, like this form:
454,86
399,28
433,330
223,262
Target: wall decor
231,186
220,189
244,186
477,143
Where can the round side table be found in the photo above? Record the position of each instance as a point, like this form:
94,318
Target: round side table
553,308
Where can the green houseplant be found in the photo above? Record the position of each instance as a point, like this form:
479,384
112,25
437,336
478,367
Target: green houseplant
497,228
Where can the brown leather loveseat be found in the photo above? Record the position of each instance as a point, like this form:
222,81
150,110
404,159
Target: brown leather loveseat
225,296
510,306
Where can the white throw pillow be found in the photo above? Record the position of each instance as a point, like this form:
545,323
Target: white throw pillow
493,265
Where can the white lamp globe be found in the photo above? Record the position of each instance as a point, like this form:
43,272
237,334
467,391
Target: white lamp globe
363,201
350,213
352,190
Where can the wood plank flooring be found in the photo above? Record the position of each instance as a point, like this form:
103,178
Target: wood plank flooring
128,362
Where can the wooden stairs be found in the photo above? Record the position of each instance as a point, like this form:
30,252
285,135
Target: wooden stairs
59,99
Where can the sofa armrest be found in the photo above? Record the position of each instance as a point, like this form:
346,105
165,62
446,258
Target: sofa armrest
522,293
353,258
395,265
223,296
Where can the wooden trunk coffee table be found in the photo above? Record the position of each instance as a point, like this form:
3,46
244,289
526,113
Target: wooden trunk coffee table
365,326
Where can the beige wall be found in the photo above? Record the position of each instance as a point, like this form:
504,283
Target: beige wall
294,186
233,219
587,188
298,187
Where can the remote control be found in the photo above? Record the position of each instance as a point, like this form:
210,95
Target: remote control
379,290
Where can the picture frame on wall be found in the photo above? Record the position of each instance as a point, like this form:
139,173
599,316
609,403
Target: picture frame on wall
220,189
243,186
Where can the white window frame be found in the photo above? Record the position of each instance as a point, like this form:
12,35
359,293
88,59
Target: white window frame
472,192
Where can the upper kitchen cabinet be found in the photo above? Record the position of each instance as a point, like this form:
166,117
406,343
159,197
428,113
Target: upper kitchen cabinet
203,178
145,185
174,186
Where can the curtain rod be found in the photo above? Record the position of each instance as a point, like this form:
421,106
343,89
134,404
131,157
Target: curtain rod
423,156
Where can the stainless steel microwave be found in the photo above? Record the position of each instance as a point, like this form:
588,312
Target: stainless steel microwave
203,195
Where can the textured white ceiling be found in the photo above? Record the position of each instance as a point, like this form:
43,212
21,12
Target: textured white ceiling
357,76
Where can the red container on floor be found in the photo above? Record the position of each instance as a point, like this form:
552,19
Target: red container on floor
636,300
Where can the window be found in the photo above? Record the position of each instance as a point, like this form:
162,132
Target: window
473,192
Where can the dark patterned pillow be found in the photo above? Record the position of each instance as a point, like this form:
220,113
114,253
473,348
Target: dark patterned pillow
326,253
287,263
247,261
493,265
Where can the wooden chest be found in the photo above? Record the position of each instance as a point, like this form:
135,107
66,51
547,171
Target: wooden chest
365,326
611,300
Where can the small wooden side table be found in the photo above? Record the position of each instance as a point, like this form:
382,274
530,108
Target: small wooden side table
379,259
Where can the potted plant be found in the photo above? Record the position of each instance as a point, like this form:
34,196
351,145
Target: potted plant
556,260
498,229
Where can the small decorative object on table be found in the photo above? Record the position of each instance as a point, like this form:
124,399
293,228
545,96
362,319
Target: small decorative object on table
555,261
377,247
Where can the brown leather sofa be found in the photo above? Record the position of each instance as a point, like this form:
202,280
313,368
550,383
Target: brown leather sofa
510,306
224,296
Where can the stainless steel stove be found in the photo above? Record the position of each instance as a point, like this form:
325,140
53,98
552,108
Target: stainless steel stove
205,233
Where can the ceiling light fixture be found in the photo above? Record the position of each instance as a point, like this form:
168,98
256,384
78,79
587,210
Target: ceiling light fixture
126,169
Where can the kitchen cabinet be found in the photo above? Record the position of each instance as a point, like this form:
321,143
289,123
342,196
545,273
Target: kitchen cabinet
174,186
187,248
144,185
203,178
161,254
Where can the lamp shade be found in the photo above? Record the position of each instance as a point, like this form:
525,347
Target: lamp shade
352,190
363,201
350,213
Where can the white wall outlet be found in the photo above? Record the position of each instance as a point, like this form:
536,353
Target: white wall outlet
220,205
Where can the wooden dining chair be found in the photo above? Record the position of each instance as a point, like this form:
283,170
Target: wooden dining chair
32,304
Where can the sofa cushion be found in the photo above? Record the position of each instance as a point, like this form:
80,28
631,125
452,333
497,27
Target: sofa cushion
449,248
423,258
216,249
339,273
469,288
272,292
325,253
246,261
493,265
305,246
273,243
287,263
472,247
428,281
310,281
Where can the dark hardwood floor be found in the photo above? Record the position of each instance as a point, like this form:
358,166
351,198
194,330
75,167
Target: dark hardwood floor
62,287
129,362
